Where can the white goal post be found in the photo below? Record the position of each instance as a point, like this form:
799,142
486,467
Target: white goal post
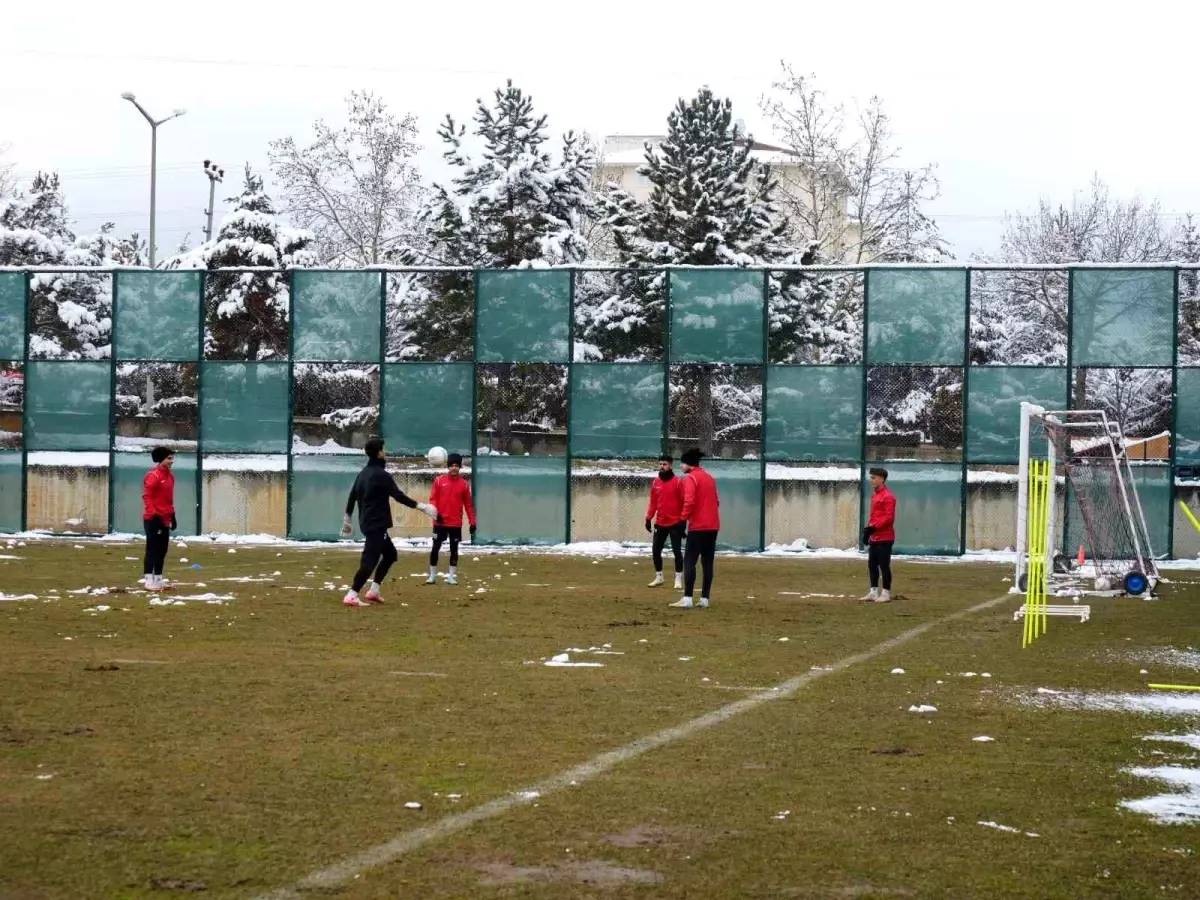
1086,452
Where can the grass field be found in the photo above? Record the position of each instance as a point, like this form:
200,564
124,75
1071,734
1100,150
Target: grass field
236,748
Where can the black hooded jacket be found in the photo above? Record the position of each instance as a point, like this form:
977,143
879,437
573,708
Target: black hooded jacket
372,489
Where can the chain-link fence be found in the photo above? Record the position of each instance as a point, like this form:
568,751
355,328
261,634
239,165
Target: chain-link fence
561,388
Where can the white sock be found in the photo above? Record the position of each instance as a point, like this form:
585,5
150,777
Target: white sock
158,581
352,593
433,571
375,586
453,571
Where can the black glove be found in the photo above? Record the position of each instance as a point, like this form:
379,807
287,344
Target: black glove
648,525
867,532
439,520
174,522
472,532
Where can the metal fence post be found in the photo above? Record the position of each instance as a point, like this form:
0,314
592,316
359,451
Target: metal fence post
762,448
28,278
666,410
863,500
570,385
383,295
291,407
1066,519
202,317
112,407
966,386
1173,444
475,386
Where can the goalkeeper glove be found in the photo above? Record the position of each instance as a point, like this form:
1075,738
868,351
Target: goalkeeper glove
648,525
429,509
472,532
174,522
347,528
867,532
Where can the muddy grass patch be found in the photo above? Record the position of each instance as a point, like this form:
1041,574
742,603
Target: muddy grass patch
598,872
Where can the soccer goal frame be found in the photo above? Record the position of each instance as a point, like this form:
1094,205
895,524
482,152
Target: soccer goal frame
1136,571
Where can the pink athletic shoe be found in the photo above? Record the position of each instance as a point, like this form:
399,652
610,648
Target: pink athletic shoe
351,600
373,597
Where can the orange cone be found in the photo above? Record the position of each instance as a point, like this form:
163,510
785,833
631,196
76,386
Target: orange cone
1079,559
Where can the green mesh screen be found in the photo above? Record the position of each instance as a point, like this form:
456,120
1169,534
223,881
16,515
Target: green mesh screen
994,408
320,485
717,316
814,412
244,407
11,476
337,316
1122,318
616,410
1187,418
158,315
12,315
928,506
916,317
524,316
520,499
128,474
739,487
1154,490
427,405
67,405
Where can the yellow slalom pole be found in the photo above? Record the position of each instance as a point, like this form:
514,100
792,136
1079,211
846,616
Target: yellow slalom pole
1175,687
1191,516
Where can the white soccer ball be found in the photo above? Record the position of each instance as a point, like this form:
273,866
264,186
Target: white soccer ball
436,456
1103,584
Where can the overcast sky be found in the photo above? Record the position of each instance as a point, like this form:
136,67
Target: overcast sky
1012,101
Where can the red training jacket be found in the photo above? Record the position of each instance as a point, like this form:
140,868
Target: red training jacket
158,495
701,505
450,494
666,499
883,515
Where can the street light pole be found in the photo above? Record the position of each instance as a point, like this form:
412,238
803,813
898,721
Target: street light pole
153,160
215,174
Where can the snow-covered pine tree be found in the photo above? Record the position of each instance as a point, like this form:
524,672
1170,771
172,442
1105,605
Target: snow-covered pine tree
513,207
1187,250
70,313
247,313
912,237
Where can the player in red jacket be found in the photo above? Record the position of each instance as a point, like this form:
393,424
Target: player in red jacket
158,515
450,494
666,504
879,536
701,511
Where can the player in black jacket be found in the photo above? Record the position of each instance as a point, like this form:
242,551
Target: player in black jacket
373,491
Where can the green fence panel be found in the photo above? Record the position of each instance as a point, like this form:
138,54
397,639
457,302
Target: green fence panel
319,488
916,316
717,317
67,405
427,405
521,499
12,477
814,413
524,316
1187,418
128,476
158,315
12,315
928,506
244,407
337,316
740,489
1122,318
1154,489
617,410
994,408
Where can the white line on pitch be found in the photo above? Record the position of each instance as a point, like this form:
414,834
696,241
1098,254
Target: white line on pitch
382,854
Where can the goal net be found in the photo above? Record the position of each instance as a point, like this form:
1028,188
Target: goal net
1093,481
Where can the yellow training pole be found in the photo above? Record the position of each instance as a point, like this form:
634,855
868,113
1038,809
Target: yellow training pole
1175,687
1037,519
1191,517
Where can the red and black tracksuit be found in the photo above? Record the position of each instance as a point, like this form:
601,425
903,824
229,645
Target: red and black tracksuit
664,510
158,517
701,511
450,494
880,536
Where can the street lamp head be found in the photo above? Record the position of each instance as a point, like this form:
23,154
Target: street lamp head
126,95
207,163
178,112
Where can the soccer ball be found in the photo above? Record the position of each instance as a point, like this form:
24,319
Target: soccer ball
436,456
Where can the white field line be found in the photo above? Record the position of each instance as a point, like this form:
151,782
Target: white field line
381,854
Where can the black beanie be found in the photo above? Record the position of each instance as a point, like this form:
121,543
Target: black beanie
454,459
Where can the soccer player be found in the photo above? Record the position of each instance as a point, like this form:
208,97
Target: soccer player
666,503
701,512
158,515
450,494
879,536
373,490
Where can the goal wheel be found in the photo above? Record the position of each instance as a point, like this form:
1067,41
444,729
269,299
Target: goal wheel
1136,583
1060,565
1023,583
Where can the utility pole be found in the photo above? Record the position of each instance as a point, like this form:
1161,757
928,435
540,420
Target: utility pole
215,175
153,158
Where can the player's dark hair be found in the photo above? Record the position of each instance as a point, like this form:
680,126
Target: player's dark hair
454,459
882,473
158,454
666,457
374,447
